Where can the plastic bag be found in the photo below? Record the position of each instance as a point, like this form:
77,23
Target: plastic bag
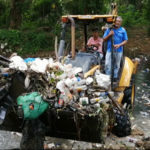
32,104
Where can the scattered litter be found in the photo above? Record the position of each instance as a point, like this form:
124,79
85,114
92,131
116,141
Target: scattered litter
132,140
143,122
137,59
138,88
18,63
51,145
69,85
103,80
132,118
16,133
145,59
98,145
144,113
147,69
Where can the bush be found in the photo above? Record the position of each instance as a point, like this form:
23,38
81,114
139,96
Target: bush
132,16
26,42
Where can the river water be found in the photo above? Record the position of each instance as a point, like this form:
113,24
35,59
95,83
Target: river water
141,111
140,117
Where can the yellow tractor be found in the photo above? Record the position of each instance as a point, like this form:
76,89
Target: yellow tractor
70,121
125,86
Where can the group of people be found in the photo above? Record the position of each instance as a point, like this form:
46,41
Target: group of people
120,38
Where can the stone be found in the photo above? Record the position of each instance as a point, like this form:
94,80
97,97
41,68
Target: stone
147,145
137,131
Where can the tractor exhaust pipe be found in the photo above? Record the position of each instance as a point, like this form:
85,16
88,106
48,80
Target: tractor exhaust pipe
72,36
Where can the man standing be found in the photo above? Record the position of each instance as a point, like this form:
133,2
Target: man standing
120,39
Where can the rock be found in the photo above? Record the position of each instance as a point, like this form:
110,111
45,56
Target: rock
147,145
139,143
137,131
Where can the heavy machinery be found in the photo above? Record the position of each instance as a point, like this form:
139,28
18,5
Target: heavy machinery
71,122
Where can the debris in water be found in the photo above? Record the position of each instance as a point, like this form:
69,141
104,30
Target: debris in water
144,113
51,145
132,140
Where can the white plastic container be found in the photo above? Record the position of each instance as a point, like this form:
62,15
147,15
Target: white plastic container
84,100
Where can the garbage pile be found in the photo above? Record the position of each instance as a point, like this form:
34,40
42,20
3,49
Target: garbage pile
64,85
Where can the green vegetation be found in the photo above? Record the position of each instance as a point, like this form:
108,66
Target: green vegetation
29,26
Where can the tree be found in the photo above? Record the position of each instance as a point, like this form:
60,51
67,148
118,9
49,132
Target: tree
16,13
84,6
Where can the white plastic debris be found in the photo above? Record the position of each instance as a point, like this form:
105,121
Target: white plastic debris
144,113
84,100
51,145
18,63
95,100
103,80
132,140
89,80
2,46
60,86
16,133
143,122
68,82
39,65
147,69
77,70
27,81
137,59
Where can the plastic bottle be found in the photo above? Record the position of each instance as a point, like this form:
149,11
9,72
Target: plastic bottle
61,100
81,88
78,81
84,100
94,100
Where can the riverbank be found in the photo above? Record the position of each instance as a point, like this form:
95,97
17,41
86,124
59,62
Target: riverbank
139,41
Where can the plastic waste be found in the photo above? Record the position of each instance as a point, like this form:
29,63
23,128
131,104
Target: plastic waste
39,65
89,80
103,80
80,88
144,113
51,145
147,70
60,86
27,81
77,70
27,60
132,140
95,100
61,100
84,101
18,63
2,114
97,105
35,100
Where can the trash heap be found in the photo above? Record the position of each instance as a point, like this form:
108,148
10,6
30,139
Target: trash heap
64,85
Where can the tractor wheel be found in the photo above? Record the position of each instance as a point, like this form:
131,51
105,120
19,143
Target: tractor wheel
122,125
129,97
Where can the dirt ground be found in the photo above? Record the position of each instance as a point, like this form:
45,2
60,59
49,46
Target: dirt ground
139,42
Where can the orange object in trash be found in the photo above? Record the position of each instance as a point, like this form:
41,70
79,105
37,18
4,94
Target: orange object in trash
31,106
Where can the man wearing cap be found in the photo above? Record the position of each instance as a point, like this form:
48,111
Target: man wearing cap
120,39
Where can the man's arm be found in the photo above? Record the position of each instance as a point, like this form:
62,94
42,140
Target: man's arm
108,36
121,44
